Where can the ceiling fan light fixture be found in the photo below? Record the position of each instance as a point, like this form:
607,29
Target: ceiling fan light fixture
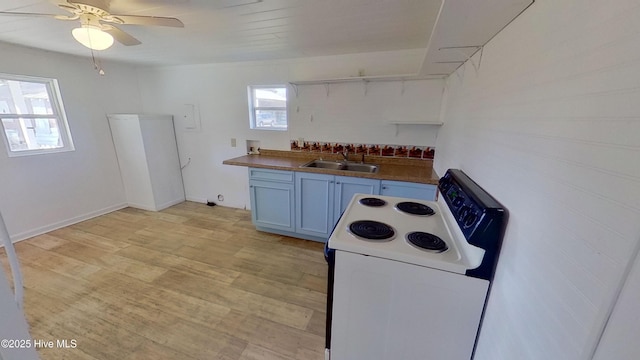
92,37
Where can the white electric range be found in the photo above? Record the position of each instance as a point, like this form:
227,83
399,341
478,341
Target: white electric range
409,279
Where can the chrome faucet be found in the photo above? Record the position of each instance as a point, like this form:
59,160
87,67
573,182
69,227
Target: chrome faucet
345,155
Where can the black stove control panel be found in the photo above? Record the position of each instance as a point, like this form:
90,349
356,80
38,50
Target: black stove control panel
479,216
462,205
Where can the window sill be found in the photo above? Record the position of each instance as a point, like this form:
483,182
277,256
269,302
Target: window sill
271,129
12,154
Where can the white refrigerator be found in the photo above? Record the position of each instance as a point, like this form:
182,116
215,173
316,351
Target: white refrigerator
148,158
15,341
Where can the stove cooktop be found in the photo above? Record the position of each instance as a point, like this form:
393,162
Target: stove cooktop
414,208
432,243
426,241
372,230
372,201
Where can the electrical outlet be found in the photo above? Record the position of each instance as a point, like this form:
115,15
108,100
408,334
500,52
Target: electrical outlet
233,142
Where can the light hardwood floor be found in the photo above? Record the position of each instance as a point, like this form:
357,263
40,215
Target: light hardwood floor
189,282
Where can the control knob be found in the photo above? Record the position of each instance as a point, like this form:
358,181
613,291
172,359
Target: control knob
469,220
445,184
464,211
459,200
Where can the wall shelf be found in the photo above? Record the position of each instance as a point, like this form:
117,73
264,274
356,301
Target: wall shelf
416,123
364,80
367,79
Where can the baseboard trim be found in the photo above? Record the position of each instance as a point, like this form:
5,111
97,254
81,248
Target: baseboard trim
170,203
157,207
292,234
197,199
74,220
141,207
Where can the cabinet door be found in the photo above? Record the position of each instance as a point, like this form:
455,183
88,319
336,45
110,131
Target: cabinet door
314,204
272,204
346,187
408,190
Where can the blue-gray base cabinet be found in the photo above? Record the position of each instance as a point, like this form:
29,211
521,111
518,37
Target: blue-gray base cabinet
321,199
272,199
408,190
346,187
314,204
308,205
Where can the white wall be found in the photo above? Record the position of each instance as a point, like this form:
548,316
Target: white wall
362,113
620,339
42,192
550,125
220,92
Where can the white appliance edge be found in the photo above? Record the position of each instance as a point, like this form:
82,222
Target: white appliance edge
14,326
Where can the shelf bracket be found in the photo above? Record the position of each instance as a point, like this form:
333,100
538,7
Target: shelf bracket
460,47
366,87
295,89
468,57
480,59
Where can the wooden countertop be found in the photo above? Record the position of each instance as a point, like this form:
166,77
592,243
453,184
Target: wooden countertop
399,169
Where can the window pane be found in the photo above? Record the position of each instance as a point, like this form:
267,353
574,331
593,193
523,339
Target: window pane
32,134
22,97
268,108
32,116
271,119
270,97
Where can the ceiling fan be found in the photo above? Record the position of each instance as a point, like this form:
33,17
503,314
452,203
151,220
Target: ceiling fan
98,29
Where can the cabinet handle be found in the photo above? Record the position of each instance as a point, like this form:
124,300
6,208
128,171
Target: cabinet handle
330,182
384,188
337,182
250,186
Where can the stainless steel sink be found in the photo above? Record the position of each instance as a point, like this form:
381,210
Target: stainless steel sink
361,167
344,166
333,165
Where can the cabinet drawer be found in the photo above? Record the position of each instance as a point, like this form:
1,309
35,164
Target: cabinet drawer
271,175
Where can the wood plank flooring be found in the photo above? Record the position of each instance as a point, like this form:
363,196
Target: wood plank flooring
189,282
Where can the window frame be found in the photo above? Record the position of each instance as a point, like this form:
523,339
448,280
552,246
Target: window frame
253,123
59,114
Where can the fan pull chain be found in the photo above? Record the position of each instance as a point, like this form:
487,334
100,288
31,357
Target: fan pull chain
96,64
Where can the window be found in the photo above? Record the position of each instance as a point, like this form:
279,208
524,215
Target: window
32,116
268,107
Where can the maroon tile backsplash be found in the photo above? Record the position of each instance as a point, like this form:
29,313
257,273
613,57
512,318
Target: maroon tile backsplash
403,151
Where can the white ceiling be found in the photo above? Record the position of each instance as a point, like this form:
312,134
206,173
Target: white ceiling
247,30
236,30
463,27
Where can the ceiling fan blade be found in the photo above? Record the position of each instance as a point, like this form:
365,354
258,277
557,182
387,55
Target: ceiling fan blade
11,13
68,7
121,36
149,20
